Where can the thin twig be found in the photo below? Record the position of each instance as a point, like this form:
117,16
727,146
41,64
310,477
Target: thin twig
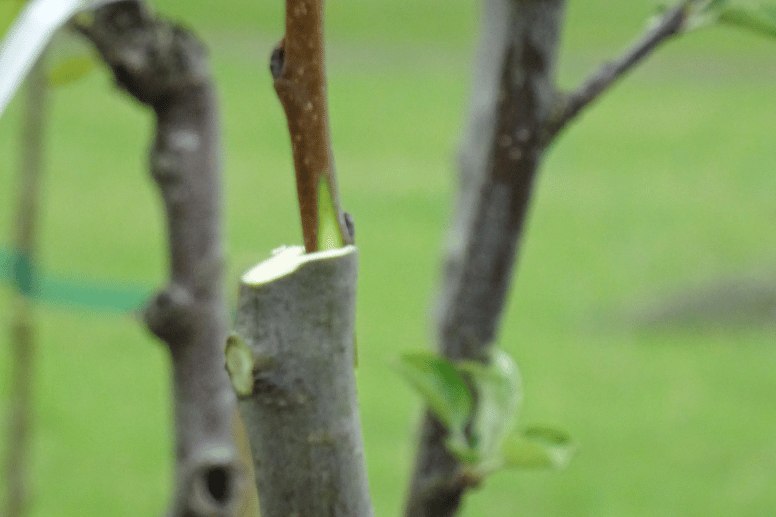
23,324
297,67
669,25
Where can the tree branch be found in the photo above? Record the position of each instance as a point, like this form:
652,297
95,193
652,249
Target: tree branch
297,67
511,101
164,67
669,25
25,279
292,365
515,115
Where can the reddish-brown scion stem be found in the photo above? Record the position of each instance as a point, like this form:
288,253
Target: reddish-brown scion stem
297,67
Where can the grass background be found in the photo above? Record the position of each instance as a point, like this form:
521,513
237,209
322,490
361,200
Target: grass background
667,182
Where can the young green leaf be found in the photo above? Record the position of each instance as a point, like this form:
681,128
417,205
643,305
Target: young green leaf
69,57
499,396
443,389
538,447
70,70
761,20
712,5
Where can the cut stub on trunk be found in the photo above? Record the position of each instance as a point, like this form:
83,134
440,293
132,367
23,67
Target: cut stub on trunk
291,363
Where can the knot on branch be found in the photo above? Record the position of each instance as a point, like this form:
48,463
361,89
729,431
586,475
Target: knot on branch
166,157
215,483
165,165
169,316
151,59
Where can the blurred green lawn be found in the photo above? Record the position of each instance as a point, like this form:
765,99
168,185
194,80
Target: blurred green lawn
667,182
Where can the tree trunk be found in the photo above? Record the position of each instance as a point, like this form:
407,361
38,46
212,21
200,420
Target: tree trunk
291,363
513,96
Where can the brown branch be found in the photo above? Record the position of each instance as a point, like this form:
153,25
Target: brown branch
669,25
164,67
512,99
23,324
297,66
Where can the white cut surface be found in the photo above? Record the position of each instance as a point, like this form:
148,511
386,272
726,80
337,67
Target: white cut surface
287,259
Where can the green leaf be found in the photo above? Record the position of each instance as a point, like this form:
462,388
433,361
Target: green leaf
499,396
329,236
760,20
70,70
712,5
69,58
538,447
444,391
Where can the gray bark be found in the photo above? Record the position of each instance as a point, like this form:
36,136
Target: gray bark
164,67
513,97
516,112
292,364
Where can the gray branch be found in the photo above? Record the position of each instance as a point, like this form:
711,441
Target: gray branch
512,99
669,25
164,67
292,365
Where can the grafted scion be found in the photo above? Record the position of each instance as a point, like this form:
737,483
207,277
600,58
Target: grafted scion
297,67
